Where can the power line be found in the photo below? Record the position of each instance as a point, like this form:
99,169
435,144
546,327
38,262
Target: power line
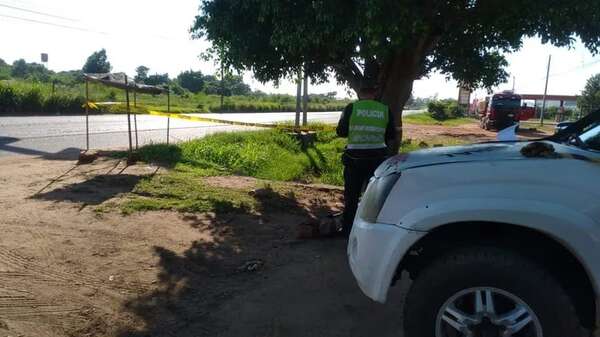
581,67
54,24
78,28
36,12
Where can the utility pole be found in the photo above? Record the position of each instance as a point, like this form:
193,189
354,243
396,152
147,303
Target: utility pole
87,115
128,116
168,111
298,98
545,92
222,83
514,80
305,101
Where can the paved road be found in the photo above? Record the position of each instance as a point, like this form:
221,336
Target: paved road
47,135
66,134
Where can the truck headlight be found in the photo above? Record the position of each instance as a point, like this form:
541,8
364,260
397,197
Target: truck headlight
374,197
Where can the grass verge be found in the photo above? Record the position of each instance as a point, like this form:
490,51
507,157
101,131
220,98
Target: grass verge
185,191
273,155
426,119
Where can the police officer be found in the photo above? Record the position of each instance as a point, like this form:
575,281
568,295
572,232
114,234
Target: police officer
370,130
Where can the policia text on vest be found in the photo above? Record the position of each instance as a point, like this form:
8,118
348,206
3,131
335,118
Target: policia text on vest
367,127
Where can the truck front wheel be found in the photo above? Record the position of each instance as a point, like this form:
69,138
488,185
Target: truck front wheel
488,291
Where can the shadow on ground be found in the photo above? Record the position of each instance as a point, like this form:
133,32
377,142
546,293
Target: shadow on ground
93,191
65,154
532,133
255,279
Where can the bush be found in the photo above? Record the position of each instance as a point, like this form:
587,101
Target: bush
9,99
64,104
112,96
445,109
31,101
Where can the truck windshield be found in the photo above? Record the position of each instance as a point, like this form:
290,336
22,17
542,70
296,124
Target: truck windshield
506,103
591,137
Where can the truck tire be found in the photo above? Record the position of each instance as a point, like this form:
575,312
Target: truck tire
482,291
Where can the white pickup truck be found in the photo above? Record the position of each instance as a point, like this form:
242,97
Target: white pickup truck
499,239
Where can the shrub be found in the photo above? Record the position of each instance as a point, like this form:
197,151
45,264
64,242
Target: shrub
64,104
437,110
445,109
31,101
9,99
112,96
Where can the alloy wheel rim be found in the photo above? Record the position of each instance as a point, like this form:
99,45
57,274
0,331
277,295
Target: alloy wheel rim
486,312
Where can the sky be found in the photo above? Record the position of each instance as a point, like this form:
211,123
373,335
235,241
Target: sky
156,34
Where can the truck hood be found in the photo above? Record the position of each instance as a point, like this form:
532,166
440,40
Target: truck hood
493,151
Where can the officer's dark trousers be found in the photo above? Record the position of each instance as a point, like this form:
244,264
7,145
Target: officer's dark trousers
359,166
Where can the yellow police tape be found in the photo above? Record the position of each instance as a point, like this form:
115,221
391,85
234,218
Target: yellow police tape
212,120
222,121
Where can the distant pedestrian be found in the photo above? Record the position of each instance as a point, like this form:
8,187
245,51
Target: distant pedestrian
370,129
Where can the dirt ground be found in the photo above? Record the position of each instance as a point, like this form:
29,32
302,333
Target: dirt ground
68,270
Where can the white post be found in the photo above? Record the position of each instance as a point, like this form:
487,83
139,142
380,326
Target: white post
545,92
305,101
298,99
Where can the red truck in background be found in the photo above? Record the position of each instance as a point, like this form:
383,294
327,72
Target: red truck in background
502,110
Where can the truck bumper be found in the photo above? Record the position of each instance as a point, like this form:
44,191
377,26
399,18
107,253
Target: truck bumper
374,252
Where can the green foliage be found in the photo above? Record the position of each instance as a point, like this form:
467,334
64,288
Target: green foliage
590,97
5,70
393,41
184,190
181,101
141,74
68,78
60,104
97,63
445,109
157,79
33,100
33,71
270,154
9,99
19,68
427,119
191,80
232,85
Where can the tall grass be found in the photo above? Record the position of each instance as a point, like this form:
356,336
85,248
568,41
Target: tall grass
35,99
188,102
269,154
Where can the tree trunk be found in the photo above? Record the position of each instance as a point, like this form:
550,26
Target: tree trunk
396,80
395,97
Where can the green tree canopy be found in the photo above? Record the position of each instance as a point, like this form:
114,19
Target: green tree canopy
97,63
232,85
191,80
34,71
19,68
590,97
157,79
141,74
391,43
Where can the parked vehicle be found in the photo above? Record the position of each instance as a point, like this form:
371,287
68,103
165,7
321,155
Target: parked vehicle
502,110
526,113
561,126
499,238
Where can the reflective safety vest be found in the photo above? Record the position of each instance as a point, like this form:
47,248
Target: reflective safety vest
368,123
